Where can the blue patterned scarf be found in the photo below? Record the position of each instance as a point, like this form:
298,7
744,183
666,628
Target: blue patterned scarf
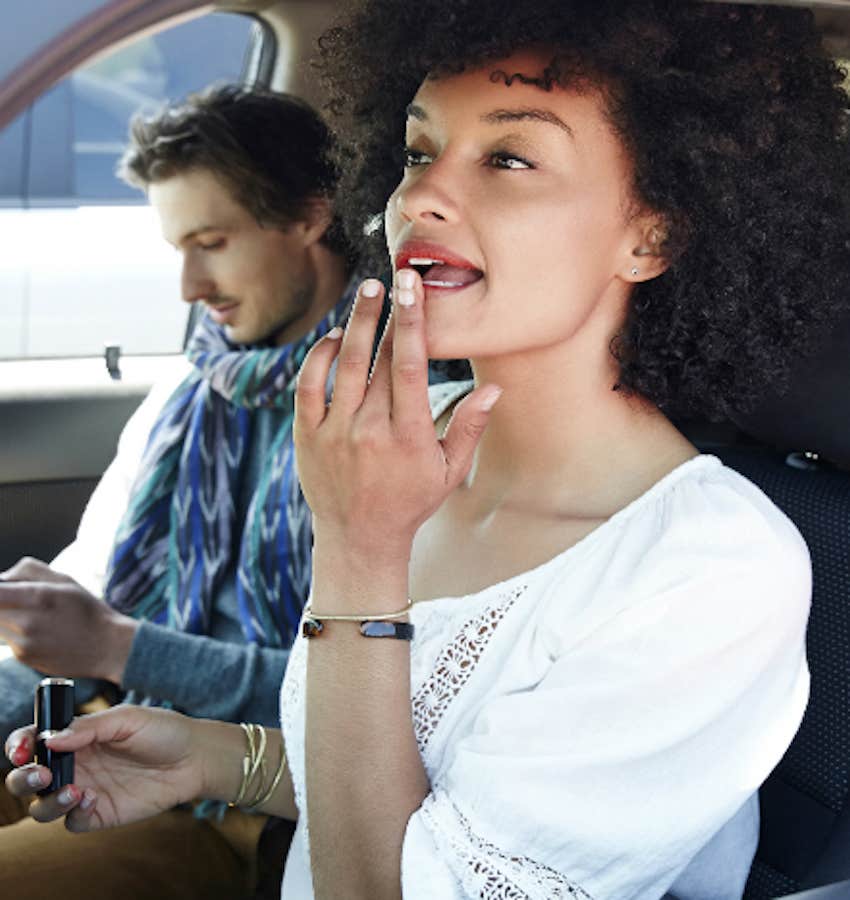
179,535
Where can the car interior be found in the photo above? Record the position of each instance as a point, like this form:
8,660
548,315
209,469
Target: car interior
62,416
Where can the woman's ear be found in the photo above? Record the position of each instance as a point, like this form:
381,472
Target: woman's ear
648,259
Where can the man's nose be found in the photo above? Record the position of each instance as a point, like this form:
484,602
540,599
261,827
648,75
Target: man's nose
195,281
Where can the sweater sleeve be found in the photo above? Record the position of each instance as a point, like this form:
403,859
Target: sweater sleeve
644,735
17,694
204,677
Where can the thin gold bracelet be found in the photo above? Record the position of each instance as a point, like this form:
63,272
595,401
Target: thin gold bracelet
359,617
254,761
259,801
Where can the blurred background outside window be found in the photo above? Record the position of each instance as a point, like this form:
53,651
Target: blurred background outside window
83,262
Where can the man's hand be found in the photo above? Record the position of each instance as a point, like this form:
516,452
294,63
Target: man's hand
54,625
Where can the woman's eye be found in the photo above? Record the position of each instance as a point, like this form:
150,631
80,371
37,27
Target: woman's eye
212,245
415,158
509,161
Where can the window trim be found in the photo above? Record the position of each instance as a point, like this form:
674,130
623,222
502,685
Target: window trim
80,41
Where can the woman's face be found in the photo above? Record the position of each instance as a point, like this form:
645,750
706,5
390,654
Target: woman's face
524,194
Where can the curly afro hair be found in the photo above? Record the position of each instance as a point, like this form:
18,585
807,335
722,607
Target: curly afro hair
736,123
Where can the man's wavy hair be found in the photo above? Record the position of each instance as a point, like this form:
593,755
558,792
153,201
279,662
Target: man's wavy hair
272,150
735,120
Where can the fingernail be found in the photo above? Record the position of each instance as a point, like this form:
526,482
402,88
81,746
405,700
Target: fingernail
335,333
88,799
20,752
35,779
405,297
371,288
490,398
406,278
66,732
66,796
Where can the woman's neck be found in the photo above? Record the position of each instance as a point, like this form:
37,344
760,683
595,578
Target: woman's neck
560,431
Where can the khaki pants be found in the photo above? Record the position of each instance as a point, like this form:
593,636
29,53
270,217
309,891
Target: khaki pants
172,855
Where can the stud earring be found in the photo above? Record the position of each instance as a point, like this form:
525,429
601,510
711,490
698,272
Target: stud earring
634,270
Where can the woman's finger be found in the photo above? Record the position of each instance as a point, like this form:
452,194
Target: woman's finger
410,410
79,819
118,723
380,385
56,805
20,745
355,355
310,401
465,429
28,780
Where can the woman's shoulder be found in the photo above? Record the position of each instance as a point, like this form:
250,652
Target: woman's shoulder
704,539
717,522
702,508
708,505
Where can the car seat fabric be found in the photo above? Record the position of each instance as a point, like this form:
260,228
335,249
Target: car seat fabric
814,412
804,798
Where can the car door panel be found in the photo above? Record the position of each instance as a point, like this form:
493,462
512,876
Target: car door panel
50,468
61,420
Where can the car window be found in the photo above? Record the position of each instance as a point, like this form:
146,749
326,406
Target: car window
86,265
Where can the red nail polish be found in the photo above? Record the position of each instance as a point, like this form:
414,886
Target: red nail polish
69,794
20,755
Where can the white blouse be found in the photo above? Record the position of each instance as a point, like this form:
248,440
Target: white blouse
590,726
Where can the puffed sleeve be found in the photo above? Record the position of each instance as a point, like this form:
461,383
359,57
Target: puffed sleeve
647,728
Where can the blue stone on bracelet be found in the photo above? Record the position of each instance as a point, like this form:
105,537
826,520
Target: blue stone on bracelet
402,631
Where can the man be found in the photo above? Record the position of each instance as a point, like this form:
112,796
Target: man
197,537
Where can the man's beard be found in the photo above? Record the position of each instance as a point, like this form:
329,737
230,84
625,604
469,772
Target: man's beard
301,302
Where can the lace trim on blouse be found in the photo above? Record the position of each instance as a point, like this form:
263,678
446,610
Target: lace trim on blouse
291,695
483,869
454,666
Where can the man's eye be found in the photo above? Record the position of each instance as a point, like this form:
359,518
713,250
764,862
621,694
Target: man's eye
415,158
212,245
509,161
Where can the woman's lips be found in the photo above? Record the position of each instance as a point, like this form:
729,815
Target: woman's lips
440,268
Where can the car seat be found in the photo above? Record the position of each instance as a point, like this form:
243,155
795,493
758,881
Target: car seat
805,803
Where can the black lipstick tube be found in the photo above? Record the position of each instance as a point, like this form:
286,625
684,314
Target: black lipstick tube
54,710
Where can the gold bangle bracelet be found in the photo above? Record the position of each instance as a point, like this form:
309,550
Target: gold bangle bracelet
259,801
254,761
359,617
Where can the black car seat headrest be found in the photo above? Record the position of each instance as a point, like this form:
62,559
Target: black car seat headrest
814,415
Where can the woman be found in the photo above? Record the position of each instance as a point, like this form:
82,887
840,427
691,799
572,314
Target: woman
612,209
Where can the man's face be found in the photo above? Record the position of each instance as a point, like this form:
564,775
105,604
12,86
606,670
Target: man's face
257,282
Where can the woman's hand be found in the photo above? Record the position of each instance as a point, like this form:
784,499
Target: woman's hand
370,463
130,763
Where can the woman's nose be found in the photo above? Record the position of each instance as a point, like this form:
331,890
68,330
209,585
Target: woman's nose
430,196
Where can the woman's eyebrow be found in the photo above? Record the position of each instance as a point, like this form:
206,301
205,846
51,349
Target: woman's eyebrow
517,115
497,116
